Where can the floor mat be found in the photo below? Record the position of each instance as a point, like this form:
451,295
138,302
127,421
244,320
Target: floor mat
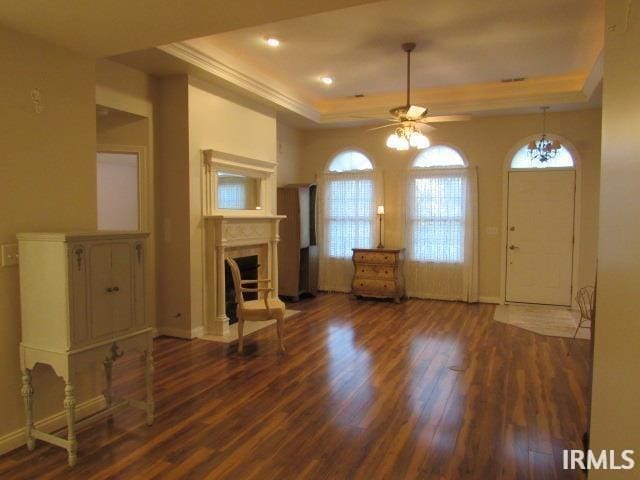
543,319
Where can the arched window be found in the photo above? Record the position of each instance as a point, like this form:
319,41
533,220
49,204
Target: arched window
437,206
441,226
350,161
348,215
521,159
438,156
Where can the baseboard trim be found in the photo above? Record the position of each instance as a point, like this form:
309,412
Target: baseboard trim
16,439
196,332
174,332
495,300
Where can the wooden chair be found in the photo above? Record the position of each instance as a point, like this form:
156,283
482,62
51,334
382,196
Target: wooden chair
259,310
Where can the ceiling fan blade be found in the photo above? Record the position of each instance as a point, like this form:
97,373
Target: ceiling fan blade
415,112
384,126
424,127
447,118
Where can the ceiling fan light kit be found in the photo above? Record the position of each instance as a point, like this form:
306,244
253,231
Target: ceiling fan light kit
407,137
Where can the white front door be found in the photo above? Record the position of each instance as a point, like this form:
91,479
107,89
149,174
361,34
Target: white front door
540,236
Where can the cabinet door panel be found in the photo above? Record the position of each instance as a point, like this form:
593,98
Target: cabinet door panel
100,297
78,293
138,282
121,275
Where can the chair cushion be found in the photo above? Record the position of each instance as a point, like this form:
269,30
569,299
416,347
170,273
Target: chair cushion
274,304
254,310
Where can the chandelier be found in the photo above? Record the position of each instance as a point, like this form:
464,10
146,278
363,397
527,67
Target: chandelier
544,149
407,136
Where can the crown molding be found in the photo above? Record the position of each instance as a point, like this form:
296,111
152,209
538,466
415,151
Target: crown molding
571,88
196,57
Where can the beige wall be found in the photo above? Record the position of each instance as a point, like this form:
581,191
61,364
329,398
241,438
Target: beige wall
195,116
615,423
59,144
289,156
172,205
485,142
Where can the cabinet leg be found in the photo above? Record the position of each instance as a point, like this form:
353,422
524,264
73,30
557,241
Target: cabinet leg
70,409
108,374
27,395
149,370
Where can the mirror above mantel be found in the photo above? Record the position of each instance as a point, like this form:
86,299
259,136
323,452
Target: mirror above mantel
235,191
236,185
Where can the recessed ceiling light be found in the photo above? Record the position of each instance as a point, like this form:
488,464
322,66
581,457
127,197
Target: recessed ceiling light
272,42
326,80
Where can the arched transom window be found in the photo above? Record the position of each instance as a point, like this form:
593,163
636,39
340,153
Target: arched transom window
438,156
521,159
350,161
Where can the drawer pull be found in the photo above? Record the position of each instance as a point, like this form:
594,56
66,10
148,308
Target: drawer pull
116,289
109,290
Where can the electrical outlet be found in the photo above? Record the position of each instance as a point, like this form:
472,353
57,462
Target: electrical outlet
10,254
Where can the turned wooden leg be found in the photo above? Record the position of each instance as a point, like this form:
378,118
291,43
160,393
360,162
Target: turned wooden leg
280,324
27,395
70,409
149,370
240,338
108,373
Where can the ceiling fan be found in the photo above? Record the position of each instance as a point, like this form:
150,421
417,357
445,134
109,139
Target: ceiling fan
410,118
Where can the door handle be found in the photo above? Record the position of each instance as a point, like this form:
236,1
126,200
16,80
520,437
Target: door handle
513,247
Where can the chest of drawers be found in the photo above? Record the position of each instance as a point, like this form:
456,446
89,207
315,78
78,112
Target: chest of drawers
378,273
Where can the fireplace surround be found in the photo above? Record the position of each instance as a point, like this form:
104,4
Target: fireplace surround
236,236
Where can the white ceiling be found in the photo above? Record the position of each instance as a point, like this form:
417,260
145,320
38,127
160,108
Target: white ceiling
459,42
107,27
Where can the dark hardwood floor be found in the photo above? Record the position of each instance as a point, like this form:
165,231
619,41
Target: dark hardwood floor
367,389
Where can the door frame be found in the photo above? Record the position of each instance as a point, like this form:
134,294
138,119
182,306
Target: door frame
143,180
577,209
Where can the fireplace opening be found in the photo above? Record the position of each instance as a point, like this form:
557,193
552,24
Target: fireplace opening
248,271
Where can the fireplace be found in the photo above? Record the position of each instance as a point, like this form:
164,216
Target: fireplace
248,271
236,236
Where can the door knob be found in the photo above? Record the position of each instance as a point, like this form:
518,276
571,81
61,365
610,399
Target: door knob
513,247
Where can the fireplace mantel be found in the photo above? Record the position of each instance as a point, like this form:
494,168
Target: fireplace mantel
224,235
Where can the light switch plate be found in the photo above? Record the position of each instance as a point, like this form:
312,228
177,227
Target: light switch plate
492,230
9,254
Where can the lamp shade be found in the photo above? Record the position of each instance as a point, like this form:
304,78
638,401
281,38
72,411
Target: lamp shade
380,209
